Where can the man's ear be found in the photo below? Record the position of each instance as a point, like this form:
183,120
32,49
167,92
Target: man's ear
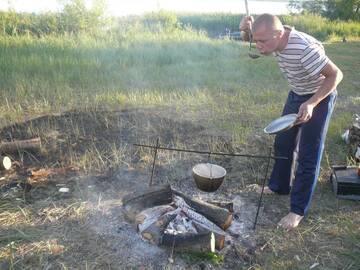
278,33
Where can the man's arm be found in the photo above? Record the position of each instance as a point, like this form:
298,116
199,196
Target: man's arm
333,77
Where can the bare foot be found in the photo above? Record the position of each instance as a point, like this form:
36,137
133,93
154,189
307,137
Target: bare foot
267,190
290,221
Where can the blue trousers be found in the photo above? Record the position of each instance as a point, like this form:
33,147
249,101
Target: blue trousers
310,148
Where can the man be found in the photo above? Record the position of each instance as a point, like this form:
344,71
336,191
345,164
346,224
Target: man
313,78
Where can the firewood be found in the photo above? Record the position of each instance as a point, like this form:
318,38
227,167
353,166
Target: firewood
152,196
5,163
33,145
204,225
227,205
150,215
155,231
218,236
201,222
220,216
203,242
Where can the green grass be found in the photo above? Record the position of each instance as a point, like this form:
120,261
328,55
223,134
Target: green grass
195,257
182,69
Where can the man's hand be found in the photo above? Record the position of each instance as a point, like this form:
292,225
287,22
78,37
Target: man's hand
246,23
305,112
245,27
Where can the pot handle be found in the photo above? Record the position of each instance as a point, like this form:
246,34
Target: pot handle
209,162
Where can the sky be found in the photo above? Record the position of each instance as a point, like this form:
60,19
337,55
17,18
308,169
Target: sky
127,7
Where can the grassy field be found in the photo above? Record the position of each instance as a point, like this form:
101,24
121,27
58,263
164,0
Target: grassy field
183,80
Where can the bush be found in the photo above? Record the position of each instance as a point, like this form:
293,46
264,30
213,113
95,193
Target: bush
161,21
75,18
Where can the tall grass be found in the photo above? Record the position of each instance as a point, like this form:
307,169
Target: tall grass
139,68
213,23
94,22
139,65
320,27
203,78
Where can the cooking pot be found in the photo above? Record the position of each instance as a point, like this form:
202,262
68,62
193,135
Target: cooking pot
208,177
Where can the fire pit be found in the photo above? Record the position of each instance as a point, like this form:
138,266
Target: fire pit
166,217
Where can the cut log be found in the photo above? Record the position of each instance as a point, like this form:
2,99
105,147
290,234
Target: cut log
33,145
152,196
204,225
155,231
227,205
201,222
219,237
220,216
5,163
150,215
203,242
181,224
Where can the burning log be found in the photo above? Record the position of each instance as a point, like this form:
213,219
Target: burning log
138,201
149,215
202,222
21,145
153,231
220,216
185,233
205,226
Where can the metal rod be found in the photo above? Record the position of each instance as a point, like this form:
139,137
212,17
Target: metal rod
247,8
208,152
262,188
153,165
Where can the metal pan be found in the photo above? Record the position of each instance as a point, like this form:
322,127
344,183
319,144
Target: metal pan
281,124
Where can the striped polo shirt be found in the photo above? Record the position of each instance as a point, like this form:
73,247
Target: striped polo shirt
302,61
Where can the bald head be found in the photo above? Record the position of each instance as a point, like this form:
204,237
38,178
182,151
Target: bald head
267,22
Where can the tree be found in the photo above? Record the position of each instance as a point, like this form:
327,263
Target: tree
340,9
332,9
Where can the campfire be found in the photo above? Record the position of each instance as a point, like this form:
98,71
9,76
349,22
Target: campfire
166,217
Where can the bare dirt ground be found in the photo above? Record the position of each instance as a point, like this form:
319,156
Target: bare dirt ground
91,153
